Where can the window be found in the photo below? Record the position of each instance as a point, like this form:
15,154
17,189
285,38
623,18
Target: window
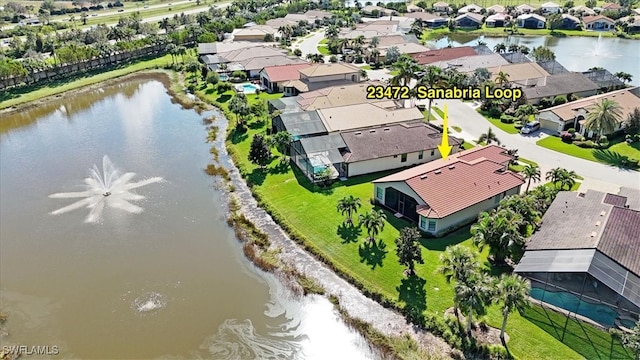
420,155
403,158
423,223
432,152
432,225
496,199
378,193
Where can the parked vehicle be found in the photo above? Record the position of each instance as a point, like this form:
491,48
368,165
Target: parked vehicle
530,128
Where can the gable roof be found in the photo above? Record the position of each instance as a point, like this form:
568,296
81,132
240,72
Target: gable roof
342,117
583,9
220,46
550,4
590,19
423,16
496,8
334,96
464,179
440,4
329,69
472,16
571,17
524,7
250,53
626,98
529,16
259,63
470,7
444,54
284,72
612,6
497,17
559,84
256,30
389,140
470,63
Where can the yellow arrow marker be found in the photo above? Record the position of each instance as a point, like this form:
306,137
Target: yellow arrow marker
444,147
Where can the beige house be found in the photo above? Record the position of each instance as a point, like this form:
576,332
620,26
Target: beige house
441,6
274,77
495,9
565,84
550,8
574,114
471,8
253,33
518,72
443,195
377,11
582,10
599,23
525,9
320,76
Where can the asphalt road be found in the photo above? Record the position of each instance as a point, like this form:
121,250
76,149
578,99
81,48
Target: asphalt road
596,175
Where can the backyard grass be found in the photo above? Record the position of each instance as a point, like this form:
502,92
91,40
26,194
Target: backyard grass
311,212
365,67
323,41
611,156
457,128
12,97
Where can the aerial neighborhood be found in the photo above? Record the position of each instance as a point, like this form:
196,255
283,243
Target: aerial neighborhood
504,227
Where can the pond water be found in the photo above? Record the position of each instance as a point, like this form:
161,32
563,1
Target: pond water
169,281
574,53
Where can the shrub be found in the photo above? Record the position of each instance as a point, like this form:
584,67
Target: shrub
297,52
603,139
636,137
333,59
559,100
238,74
494,112
518,126
212,78
586,144
224,86
507,119
571,131
566,136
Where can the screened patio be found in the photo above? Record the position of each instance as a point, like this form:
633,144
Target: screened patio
315,154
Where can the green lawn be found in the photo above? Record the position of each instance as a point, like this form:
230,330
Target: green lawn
323,41
508,128
365,67
310,212
22,95
439,112
323,50
457,128
526,161
610,156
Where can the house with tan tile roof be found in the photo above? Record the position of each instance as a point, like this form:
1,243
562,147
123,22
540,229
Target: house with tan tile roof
564,84
495,9
471,8
377,11
574,113
581,10
253,33
273,77
599,23
496,20
443,195
517,72
441,6
525,9
588,247
318,76
445,54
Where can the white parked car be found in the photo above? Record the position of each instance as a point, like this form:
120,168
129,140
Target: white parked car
530,128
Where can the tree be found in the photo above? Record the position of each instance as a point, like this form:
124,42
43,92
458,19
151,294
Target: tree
500,230
531,173
502,79
316,58
393,54
632,124
603,117
259,154
473,296
525,207
623,76
543,53
406,68
348,205
374,223
632,340
489,137
408,249
512,291
457,263
554,21
432,78
561,178
500,47
239,106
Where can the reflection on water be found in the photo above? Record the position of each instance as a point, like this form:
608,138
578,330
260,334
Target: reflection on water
574,53
169,282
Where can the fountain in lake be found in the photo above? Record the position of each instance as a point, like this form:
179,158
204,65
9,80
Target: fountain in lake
109,188
600,50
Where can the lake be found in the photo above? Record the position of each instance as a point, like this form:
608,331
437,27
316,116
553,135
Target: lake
573,52
169,281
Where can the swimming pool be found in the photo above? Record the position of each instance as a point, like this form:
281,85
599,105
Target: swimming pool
249,88
223,77
600,313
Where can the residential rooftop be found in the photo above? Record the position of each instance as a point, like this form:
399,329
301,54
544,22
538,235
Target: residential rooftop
329,69
280,73
628,99
554,85
521,71
365,115
445,54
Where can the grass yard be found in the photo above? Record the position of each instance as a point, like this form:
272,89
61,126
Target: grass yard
365,67
12,97
311,212
322,49
611,156
457,128
508,128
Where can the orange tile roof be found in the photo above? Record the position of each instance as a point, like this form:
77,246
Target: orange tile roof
284,72
445,54
464,179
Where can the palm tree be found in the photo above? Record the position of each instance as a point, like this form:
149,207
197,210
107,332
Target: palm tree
514,48
432,77
374,42
500,230
499,48
457,263
502,79
531,172
489,137
373,222
473,296
348,205
544,196
603,117
562,177
525,207
331,32
406,68
623,76
513,291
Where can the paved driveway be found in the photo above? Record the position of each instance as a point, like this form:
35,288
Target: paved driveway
597,176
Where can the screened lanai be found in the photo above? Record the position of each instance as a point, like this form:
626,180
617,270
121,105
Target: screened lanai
300,124
315,154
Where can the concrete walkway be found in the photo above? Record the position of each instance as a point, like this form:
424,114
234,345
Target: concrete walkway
597,176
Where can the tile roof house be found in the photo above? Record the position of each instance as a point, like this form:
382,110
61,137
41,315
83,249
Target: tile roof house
318,76
428,19
443,195
441,6
599,23
469,20
253,33
251,60
473,8
550,8
518,72
413,8
495,9
525,9
445,54
404,48
574,113
581,10
570,83
470,63
221,47
612,7
497,20
377,11
273,77
570,22
588,247
531,21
